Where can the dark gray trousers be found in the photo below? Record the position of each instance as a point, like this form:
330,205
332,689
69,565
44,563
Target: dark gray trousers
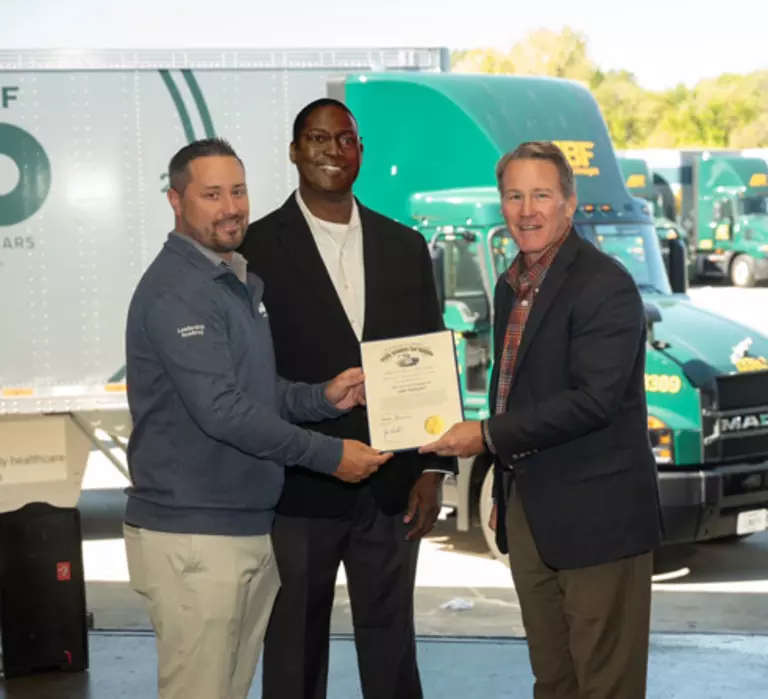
588,628
380,566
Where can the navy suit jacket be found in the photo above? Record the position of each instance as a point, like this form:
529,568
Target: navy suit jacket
314,340
589,488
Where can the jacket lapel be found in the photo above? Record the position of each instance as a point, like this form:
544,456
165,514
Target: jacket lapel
376,267
299,246
554,279
503,302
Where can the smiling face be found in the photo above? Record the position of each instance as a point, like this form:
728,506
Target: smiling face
536,210
213,206
328,152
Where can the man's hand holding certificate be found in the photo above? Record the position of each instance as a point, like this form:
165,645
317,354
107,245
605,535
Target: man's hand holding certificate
412,390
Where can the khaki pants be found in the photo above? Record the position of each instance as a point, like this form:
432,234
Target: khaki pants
209,601
587,629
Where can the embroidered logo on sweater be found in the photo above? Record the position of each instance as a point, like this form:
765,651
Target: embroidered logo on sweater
191,331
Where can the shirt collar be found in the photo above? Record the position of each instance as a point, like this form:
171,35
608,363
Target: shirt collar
519,276
354,220
239,265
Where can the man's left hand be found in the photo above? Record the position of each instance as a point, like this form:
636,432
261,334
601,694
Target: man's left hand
347,390
464,439
423,500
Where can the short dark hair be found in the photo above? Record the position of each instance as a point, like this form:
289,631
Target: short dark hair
178,169
301,118
539,150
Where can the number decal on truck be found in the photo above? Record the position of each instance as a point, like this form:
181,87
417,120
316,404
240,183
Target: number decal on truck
663,383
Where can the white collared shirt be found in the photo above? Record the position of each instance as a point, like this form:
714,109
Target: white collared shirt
341,248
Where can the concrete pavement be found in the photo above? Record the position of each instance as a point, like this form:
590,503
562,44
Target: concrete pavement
681,667
718,587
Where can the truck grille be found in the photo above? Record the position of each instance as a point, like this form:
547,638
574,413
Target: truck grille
735,418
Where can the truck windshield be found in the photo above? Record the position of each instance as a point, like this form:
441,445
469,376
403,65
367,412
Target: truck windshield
750,206
464,280
635,246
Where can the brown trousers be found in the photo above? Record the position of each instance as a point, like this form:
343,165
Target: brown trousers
588,629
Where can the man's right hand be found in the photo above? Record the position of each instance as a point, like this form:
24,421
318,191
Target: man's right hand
494,517
358,461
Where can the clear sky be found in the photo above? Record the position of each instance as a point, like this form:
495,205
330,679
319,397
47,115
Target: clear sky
659,40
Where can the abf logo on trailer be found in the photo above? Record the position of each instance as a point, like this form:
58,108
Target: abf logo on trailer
28,193
7,95
580,155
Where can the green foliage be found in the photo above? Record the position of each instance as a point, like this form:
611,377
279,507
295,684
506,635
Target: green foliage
730,111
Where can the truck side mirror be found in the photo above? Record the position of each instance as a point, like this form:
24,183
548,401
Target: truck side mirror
438,272
677,266
652,316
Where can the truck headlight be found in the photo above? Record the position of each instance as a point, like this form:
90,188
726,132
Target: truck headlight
661,441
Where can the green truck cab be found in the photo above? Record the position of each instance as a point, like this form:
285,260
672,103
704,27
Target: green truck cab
721,200
639,181
432,142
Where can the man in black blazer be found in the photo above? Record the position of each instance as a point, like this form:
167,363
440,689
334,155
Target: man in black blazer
335,274
575,484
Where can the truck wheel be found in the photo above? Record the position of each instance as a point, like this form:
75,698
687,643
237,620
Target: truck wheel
485,506
743,271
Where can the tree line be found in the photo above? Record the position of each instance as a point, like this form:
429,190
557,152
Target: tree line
730,111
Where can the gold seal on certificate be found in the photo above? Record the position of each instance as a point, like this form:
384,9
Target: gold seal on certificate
434,424
411,389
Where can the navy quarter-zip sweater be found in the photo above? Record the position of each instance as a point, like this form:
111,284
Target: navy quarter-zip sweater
211,419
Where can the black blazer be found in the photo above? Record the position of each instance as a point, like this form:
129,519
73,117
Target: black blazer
589,490
314,340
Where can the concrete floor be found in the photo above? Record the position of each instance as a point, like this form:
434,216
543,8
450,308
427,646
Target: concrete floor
713,588
494,611
682,666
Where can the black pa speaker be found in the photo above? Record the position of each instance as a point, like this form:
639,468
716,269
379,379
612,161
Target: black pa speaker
42,591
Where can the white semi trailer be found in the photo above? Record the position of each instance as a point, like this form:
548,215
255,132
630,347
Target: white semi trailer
85,138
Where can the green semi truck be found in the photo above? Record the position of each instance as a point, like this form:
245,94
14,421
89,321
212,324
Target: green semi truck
720,198
432,142
639,181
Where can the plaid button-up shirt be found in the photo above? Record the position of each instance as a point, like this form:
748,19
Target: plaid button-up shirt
525,283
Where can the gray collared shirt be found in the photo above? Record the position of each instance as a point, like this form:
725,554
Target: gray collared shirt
238,265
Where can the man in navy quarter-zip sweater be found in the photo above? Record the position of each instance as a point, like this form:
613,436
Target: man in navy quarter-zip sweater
212,433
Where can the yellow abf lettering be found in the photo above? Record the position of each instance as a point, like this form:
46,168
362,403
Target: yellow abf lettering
580,155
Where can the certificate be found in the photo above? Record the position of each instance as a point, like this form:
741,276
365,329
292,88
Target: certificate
411,390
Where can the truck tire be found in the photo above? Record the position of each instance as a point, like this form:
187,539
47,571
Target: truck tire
742,271
484,508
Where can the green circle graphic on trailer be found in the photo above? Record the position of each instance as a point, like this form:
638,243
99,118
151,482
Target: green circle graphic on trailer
26,198
189,133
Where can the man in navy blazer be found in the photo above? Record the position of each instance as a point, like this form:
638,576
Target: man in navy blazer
337,274
575,482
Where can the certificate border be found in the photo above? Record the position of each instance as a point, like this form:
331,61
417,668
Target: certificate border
412,450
